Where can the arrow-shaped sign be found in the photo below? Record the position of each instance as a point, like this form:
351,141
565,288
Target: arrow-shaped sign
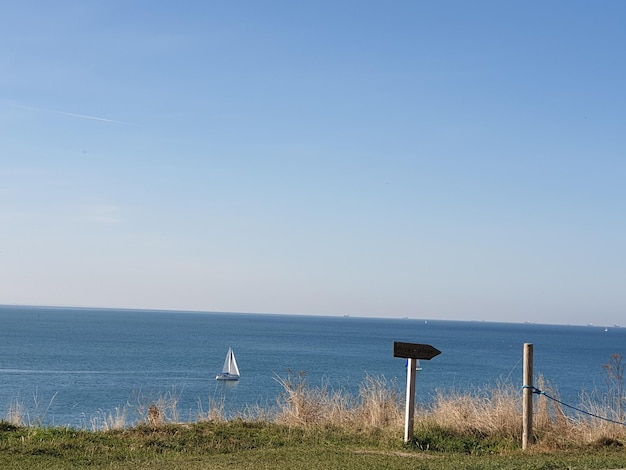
414,351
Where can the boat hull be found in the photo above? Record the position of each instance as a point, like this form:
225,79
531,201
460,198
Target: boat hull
226,377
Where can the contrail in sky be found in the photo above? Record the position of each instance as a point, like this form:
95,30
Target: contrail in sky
84,116
79,116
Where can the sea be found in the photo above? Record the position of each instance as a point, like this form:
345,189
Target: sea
74,366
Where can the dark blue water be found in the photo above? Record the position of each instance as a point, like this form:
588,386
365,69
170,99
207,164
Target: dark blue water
71,364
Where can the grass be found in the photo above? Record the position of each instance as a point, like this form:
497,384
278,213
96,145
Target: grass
318,427
240,444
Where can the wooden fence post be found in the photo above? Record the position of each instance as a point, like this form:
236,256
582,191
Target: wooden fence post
527,397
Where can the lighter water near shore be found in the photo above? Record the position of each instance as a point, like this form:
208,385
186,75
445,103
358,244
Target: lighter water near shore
73,363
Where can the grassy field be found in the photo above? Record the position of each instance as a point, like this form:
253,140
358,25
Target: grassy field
319,428
241,445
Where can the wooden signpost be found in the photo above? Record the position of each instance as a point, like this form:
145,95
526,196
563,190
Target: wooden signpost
412,352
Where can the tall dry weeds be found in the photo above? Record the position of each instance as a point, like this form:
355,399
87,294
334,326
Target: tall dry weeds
616,395
377,404
160,410
299,404
215,413
604,415
110,420
489,412
17,414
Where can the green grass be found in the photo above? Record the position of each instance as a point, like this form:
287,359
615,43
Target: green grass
241,445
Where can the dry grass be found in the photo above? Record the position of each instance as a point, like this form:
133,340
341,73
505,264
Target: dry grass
160,410
492,412
215,413
592,430
109,420
300,405
17,413
377,405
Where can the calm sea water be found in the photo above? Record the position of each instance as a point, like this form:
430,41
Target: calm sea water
71,364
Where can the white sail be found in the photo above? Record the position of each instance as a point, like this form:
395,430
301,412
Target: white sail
230,364
230,371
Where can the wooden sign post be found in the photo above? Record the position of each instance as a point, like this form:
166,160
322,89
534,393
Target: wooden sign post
412,352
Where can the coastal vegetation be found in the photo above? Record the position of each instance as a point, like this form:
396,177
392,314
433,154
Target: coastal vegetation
318,427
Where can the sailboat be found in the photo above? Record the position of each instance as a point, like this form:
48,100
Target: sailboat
230,371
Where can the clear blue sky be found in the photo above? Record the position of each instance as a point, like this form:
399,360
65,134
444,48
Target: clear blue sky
449,159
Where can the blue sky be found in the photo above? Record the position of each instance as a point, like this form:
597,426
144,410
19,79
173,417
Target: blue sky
452,159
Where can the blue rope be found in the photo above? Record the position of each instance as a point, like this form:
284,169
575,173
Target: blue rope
541,392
